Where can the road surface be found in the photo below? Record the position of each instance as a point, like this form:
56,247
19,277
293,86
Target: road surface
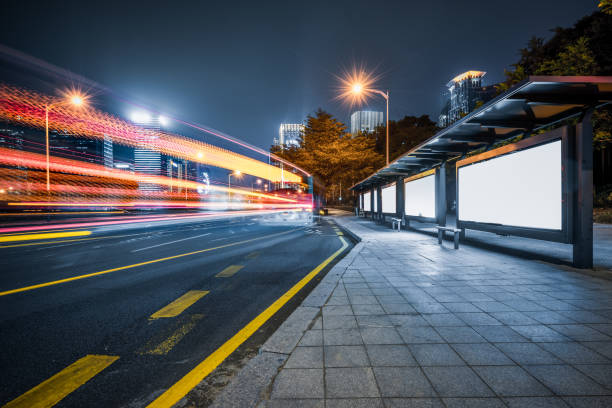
117,315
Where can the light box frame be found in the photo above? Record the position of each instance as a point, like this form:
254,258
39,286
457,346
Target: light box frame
565,234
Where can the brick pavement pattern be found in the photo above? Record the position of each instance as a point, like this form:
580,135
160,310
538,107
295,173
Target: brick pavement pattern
414,324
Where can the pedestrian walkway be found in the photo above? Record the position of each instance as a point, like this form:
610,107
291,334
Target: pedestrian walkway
414,324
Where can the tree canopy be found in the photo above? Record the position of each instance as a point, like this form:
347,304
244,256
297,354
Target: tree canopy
340,159
583,49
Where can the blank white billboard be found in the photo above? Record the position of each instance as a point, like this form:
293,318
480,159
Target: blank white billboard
420,197
388,199
521,189
366,201
376,200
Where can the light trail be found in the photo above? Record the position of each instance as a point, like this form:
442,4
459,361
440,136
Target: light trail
163,217
27,107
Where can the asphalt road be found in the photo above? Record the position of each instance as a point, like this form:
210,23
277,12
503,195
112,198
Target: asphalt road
147,325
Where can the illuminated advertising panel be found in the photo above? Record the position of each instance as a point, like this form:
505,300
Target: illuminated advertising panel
388,199
366,201
420,197
520,189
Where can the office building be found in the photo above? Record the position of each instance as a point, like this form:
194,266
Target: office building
108,151
463,92
365,121
147,161
75,148
289,135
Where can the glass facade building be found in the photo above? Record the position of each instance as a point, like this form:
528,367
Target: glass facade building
289,134
365,121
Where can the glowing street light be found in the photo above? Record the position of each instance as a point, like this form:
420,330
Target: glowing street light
357,86
358,89
253,184
74,99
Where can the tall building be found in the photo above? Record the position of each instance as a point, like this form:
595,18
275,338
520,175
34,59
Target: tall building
74,147
462,94
365,121
289,134
147,161
108,151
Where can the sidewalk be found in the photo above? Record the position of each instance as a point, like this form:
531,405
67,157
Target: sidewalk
412,324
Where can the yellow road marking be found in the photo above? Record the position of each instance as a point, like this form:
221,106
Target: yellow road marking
12,238
51,391
179,305
229,271
165,346
339,233
253,255
173,394
168,258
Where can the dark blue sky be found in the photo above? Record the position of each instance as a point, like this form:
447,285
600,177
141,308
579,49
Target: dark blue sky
245,67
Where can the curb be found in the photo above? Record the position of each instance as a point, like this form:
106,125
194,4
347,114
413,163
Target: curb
347,231
251,385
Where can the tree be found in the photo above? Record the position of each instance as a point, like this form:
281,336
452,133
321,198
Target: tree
328,152
575,59
583,49
404,134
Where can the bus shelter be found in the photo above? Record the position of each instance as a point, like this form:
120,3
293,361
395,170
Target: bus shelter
521,164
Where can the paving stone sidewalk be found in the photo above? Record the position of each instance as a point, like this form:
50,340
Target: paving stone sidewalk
413,324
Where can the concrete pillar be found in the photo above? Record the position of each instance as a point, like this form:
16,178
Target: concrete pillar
583,196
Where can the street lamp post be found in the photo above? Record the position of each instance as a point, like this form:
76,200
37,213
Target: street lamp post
229,183
358,89
75,100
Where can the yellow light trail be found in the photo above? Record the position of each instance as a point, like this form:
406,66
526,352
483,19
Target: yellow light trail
30,237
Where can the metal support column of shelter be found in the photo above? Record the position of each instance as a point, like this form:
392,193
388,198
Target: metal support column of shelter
373,215
583,193
399,198
441,195
379,211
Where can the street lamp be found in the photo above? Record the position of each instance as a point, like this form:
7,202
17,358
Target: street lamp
253,184
75,100
236,173
358,89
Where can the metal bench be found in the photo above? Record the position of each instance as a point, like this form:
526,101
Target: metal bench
456,232
396,221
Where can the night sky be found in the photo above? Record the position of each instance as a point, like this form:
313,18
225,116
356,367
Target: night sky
245,67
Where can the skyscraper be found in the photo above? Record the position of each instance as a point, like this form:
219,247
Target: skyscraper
108,151
289,134
147,161
73,147
365,121
463,92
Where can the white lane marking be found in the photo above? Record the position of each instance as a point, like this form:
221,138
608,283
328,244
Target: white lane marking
170,242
